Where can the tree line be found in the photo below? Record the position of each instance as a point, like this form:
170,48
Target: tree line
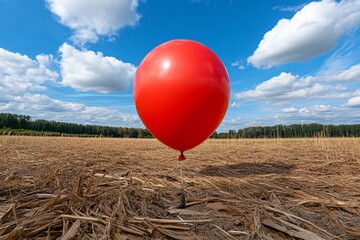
13,121
294,131
9,122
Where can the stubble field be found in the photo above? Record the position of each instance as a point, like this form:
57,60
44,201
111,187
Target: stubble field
83,188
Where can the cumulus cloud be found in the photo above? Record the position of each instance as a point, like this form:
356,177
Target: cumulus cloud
19,73
353,102
89,71
22,83
318,113
299,94
313,30
310,114
41,106
286,87
93,18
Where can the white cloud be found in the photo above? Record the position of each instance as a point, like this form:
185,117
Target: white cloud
289,110
19,73
289,8
22,77
350,74
235,64
315,113
343,57
235,104
286,87
93,18
238,64
237,123
320,113
45,60
315,110
41,106
90,71
313,30
353,102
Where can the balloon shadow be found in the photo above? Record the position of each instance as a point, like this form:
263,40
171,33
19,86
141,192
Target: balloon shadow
246,169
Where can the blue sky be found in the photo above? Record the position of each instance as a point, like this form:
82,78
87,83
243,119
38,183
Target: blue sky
288,61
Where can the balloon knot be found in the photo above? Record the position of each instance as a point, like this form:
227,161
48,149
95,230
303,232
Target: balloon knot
181,156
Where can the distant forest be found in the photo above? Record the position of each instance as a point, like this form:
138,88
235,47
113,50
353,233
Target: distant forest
13,124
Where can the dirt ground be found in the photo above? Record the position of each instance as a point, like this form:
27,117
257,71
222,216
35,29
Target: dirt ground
99,188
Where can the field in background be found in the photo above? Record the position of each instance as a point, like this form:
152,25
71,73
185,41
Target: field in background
127,189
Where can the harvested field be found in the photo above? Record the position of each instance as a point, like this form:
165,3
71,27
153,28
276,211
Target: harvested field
72,188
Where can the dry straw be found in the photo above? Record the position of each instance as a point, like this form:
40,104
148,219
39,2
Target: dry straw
64,188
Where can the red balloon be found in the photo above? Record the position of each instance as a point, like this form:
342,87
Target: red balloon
181,93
